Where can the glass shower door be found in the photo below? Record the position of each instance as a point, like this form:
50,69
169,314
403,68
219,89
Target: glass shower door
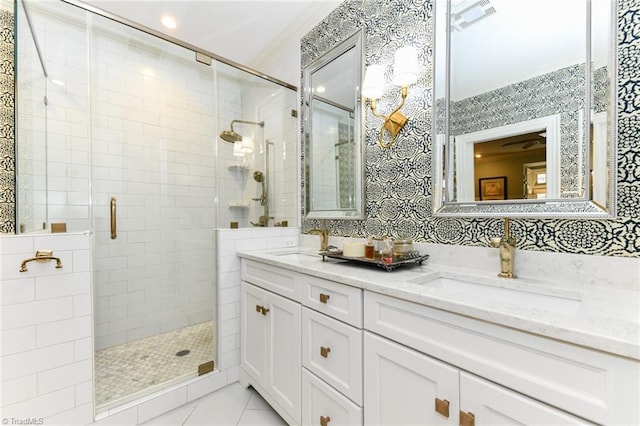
153,203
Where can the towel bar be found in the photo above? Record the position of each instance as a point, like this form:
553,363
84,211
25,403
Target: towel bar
41,256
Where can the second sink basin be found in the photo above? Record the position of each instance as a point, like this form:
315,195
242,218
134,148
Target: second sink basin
513,292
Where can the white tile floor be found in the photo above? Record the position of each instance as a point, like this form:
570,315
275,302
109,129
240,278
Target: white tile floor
232,405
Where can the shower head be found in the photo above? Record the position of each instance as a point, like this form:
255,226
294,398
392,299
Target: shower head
230,136
258,176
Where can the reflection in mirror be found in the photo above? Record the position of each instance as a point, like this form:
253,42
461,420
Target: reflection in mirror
333,128
515,157
503,151
525,104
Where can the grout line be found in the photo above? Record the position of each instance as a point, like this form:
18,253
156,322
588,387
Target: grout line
190,414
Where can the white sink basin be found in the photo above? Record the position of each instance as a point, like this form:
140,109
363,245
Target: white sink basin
506,291
299,256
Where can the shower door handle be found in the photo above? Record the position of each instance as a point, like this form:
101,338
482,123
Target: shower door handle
112,209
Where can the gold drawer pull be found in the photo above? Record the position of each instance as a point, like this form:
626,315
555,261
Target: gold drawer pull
442,407
324,421
265,311
259,308
324,298
324,351
467,419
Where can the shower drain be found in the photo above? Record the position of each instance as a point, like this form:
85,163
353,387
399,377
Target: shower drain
183,352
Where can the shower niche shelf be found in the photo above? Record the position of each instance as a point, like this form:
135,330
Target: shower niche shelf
238,205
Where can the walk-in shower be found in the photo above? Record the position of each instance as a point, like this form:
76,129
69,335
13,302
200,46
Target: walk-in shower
136,119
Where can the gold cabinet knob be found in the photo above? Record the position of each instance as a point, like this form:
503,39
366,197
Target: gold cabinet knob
259,308
442,407
467,419
265,311
324,298
324,420
324,351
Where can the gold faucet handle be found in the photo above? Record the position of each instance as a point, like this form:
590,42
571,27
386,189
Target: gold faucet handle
495,241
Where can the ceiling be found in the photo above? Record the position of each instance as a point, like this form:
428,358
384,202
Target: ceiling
239,30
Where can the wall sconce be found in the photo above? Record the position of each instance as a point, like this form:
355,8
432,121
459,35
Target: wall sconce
405,72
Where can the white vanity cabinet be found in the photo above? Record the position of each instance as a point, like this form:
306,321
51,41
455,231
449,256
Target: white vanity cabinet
331,353
270,349
326,353
413,388
489,374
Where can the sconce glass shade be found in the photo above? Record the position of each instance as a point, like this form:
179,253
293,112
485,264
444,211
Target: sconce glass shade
246,145
373,84
237,149
405,67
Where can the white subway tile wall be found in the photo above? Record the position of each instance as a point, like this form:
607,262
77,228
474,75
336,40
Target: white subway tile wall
46,356
255,100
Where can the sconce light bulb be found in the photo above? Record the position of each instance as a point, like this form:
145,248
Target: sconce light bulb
373,84
246,145
405,67
237,149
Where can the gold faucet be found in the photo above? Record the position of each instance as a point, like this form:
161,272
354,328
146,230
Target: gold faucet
324,235
507,245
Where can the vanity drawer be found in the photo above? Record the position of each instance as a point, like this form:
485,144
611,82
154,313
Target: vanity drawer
278,280
333,351
323,404
591,384
339,301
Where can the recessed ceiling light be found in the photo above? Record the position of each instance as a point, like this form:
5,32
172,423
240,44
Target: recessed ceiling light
168,21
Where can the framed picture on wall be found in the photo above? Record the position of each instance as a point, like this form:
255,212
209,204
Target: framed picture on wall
493,188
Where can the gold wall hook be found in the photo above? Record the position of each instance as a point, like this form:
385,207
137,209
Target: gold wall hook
41,256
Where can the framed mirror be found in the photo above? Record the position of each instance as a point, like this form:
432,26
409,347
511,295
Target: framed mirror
332,127
524,108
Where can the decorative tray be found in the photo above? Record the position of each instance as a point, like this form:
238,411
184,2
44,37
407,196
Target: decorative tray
409,258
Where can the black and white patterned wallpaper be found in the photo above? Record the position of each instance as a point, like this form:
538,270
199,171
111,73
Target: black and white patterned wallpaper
7,101
398,181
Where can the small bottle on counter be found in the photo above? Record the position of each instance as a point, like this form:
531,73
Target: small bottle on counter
369,250
386,253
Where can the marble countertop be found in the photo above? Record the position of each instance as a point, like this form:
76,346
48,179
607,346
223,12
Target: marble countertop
603,318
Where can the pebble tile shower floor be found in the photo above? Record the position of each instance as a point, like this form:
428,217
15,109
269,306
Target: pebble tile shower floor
124,370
